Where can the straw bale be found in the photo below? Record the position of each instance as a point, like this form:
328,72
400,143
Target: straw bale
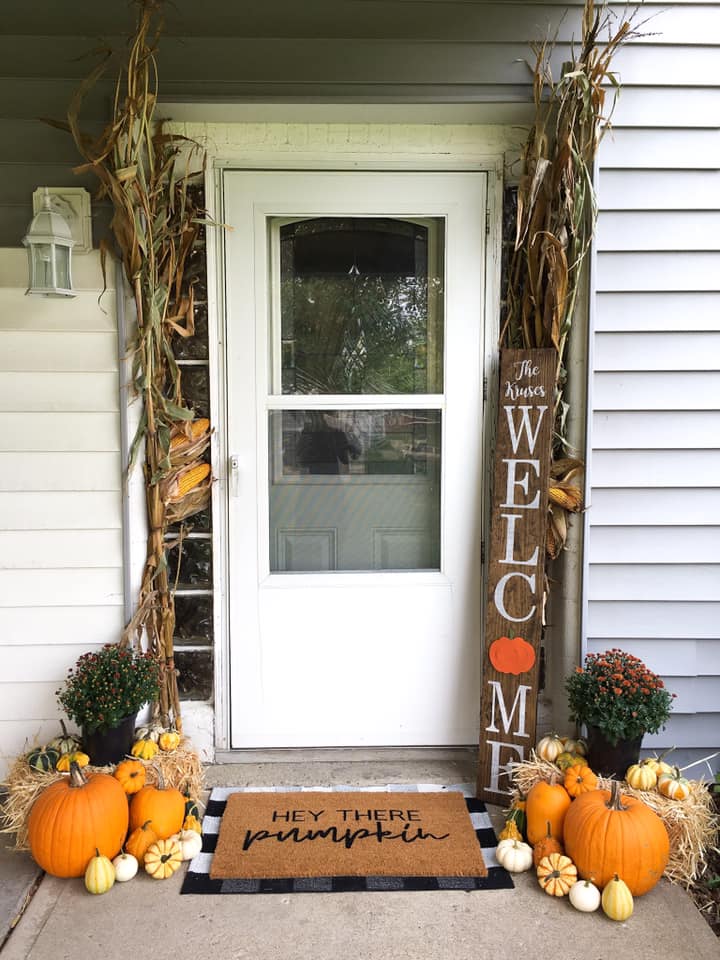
181,768
692,824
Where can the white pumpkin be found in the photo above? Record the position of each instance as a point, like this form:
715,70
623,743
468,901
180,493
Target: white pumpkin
578,747
549,747
584,896
190,843
126,866
514,855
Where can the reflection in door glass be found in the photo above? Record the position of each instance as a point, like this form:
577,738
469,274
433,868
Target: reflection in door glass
361,306
355,490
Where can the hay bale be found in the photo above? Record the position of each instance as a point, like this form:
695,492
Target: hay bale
181,768
692,824
23,786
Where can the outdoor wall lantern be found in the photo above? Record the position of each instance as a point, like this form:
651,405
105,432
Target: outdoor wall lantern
61,222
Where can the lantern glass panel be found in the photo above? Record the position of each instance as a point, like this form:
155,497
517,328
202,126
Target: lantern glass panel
42,267
62,261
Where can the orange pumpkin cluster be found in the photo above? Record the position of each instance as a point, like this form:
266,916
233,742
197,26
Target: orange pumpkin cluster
79,823
609,841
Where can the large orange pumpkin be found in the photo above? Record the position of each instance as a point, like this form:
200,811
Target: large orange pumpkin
164,806
547,803
75,817
607,833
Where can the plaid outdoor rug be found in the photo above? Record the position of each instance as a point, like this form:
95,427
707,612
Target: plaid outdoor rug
197,879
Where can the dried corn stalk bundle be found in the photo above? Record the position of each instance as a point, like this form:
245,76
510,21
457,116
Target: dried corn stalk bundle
556,215
148,176
691,824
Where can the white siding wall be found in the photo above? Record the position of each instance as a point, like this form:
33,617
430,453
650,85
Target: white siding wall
653,548
60,499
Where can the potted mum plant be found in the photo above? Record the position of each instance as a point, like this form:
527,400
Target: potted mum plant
103,693
619,700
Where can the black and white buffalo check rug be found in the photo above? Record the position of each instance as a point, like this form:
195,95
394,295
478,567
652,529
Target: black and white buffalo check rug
197,879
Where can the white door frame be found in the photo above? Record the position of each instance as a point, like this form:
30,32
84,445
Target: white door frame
493,164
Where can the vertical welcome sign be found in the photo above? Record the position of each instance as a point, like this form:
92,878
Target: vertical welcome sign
516,564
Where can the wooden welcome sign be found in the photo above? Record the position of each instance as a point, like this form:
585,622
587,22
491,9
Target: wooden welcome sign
516,564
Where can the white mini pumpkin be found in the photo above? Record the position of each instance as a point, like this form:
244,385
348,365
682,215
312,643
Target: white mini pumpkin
126,866
514,855
584,896
190,843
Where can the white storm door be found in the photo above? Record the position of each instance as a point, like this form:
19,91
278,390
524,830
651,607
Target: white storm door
354,408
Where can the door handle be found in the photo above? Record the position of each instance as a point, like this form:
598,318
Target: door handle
234,474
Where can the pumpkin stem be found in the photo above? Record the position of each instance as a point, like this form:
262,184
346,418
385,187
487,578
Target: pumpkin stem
615,801
77,777
159,774
64,728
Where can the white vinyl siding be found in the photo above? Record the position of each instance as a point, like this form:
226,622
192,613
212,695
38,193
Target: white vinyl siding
653,523
61,579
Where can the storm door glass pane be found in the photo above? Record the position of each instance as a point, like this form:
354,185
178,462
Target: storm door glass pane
354,490
361,306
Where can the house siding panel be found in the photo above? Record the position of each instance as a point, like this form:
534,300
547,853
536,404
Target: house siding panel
61,578
653,524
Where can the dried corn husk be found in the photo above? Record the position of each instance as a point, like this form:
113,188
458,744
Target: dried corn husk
148,177
556,214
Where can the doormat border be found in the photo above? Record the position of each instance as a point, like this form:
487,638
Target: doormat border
198,881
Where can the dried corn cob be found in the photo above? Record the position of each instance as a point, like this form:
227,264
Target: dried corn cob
180,483
192,477
567,496
197,427
552,546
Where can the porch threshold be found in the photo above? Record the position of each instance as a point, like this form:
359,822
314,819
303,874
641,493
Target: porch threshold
303,755
355,766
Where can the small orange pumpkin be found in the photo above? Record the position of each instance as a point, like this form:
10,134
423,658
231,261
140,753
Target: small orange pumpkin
543,848
75,817
556,874
131,776
140,839
580,779
546,802
164,806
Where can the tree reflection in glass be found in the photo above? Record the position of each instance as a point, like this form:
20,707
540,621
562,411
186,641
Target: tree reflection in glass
361,310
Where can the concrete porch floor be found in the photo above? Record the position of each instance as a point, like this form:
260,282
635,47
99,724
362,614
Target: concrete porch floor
149,918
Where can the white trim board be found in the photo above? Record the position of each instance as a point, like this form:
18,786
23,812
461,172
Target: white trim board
327,145
346,112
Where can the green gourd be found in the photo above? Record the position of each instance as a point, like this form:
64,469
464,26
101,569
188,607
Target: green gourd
43,759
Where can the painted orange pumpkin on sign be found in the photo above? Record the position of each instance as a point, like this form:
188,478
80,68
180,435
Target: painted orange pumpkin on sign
511,655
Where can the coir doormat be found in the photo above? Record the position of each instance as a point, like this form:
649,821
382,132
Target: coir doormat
344,839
